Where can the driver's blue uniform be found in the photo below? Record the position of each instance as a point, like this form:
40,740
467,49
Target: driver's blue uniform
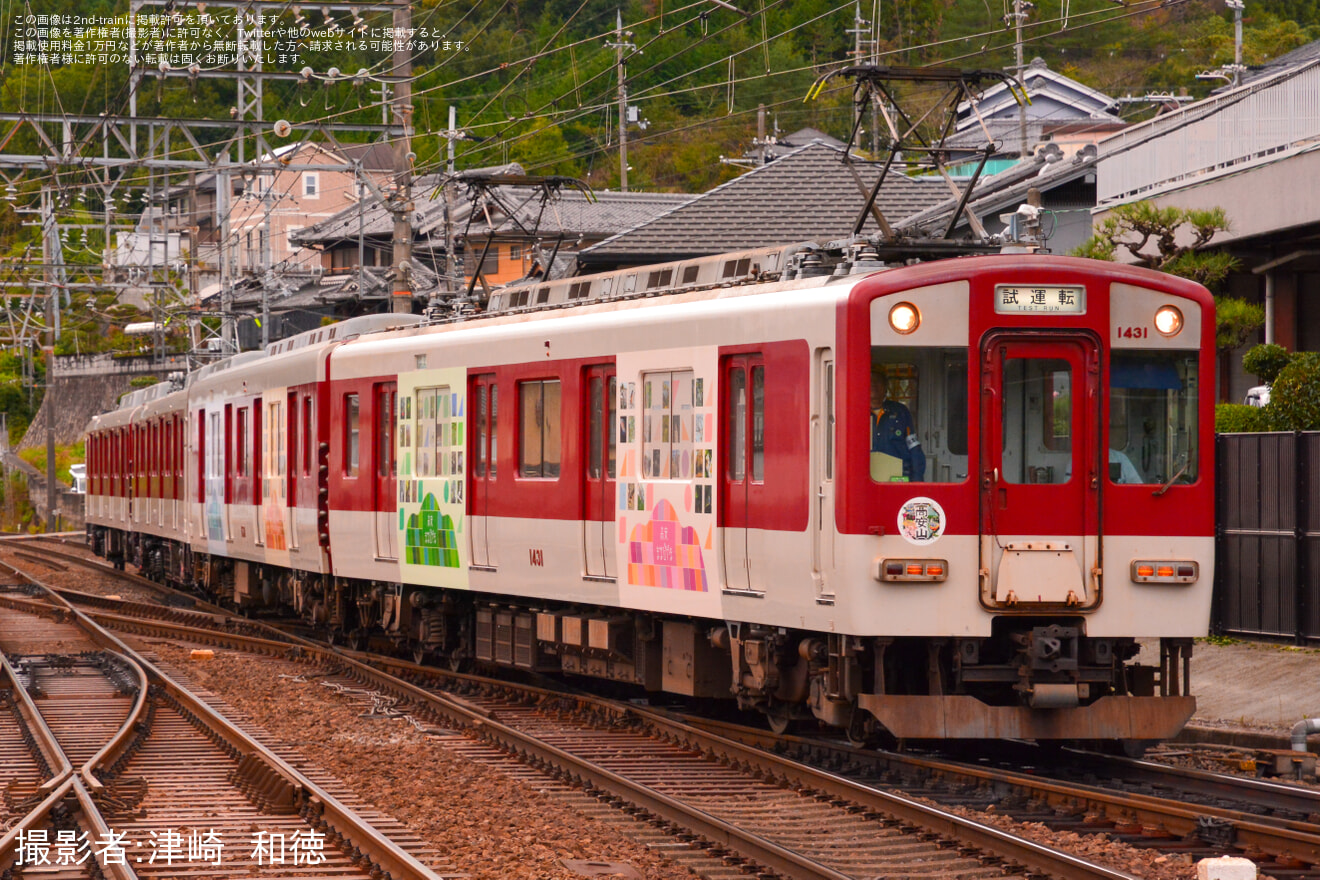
892,433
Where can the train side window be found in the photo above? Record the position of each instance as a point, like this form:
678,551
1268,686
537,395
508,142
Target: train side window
917,418
829,420
595,416
539,428
602,439
277,439
480,465
611,396
258,453
385,457
758,424
307,436
352,436
1152,427
243,441
737,427
667,425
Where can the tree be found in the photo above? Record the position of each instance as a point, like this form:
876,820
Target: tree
1265,362
1295,397
1150,234
1137,226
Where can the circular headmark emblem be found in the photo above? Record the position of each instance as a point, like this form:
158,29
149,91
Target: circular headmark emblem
921,521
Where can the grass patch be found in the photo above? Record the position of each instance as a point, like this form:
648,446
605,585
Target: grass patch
75,453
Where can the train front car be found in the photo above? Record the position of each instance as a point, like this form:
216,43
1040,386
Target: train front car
1025,500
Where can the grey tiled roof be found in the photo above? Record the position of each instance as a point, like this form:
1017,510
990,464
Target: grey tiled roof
808,193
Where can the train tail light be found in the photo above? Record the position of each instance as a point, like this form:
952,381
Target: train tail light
1165,571
910,570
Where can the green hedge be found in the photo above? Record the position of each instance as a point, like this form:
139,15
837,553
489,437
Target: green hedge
1295,395
1238,418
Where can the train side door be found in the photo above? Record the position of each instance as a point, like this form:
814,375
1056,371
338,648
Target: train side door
386,507
290,512
1040,476
483,461
823,464
599,474
743,472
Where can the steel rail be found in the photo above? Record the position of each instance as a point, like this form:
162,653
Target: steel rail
57,762
1032,856
70,786
62,783
748,845
124,737
276,776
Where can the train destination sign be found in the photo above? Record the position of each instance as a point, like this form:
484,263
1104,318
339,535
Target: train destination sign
1013,299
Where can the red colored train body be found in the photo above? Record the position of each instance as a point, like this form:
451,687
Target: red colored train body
686,478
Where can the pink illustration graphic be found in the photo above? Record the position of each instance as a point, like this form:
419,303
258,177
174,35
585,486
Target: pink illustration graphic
275,539
665,553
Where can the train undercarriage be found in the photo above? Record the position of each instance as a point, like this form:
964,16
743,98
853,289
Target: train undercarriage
1032,678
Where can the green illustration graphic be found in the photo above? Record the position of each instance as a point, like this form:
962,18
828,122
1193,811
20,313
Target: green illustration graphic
431,537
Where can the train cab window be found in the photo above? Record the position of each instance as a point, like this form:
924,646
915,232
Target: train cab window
1152,417
918,415
352,437
539,428
667,425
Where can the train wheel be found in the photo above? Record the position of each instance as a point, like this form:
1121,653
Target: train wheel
419,654
779,716
863,731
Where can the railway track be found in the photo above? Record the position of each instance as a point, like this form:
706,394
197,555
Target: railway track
1141,803
154,776
753,810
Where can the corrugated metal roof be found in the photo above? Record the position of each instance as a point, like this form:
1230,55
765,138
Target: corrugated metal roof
808,193
1008,188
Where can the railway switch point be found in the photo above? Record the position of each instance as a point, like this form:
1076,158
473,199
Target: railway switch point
1225,868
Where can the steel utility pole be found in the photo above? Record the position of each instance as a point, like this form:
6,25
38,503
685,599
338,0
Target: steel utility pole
48,401
401,301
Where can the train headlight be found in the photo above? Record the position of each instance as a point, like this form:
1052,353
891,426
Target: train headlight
1168,320
907,570
1165,571
904,318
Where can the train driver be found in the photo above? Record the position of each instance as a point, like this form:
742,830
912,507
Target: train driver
892,430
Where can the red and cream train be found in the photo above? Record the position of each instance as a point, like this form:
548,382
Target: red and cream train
665,477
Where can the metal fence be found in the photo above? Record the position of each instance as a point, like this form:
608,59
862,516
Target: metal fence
1267,553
